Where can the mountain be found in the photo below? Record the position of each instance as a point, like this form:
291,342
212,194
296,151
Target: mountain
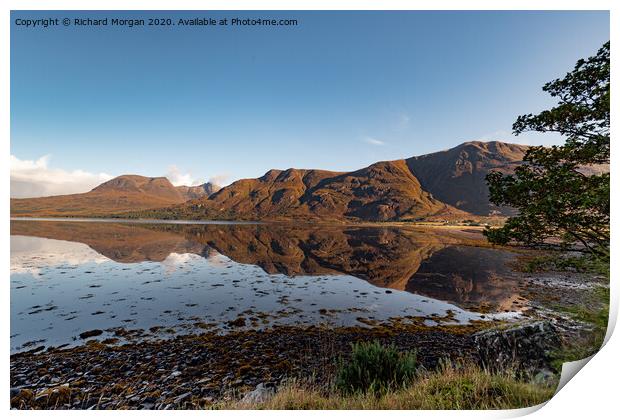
203,190
380,192
159,188
121,194
457,176
444,185
447,185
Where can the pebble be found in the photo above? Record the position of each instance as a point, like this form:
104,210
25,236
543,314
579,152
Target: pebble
182,397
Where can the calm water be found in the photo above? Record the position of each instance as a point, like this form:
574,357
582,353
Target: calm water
160,279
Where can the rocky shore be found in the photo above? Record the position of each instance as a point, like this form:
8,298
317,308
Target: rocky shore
197,371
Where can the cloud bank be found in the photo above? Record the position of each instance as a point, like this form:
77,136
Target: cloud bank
35,178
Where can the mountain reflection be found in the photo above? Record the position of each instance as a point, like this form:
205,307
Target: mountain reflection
429,262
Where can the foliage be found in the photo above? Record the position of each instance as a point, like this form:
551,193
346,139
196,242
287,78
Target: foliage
375,368
554,191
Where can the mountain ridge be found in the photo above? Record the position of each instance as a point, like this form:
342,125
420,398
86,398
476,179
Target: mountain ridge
383,191
444,185
117,195
456,176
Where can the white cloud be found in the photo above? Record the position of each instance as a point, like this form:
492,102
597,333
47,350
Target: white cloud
219,180
373,141
176,177
35,178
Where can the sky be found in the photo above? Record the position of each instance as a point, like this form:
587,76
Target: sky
338,91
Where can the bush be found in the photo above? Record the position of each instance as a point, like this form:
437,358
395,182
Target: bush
375,368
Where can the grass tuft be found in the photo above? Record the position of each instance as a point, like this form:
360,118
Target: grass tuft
375,368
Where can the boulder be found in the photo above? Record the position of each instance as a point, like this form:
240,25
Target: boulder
260,394
524,348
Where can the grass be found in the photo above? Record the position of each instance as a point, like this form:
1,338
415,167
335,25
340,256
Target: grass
375,368
452,388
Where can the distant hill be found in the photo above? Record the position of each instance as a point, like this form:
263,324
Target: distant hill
446,185
203,190
380,192
121,194
457,176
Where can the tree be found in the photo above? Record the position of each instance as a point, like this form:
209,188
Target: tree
557,191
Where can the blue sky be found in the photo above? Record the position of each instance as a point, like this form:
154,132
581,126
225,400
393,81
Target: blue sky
339,91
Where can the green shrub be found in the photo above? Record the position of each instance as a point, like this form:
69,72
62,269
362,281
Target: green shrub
375,368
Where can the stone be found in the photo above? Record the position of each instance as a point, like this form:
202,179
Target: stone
182,397
525,347
40,398
544,377
260,394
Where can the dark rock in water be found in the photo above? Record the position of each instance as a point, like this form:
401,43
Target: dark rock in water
91,333
239,322
524,348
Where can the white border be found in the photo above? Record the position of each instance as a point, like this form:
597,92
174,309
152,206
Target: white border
593,394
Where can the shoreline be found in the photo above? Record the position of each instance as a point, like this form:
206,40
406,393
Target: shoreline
249,222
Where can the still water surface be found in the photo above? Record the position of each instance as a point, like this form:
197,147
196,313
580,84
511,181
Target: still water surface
160,279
